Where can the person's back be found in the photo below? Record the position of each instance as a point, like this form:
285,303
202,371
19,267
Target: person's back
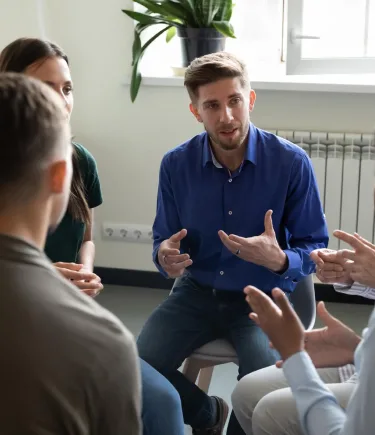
67,365
63,357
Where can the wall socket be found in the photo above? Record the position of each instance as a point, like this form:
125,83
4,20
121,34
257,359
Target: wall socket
127,232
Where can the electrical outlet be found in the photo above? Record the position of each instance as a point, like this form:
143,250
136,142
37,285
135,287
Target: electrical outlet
127,232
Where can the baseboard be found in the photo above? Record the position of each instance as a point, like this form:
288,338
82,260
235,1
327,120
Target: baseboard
142,278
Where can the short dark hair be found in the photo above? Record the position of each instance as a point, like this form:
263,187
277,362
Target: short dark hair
213,67
32,125
17,57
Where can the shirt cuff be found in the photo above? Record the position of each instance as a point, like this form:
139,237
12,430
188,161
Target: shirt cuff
299,370
294,266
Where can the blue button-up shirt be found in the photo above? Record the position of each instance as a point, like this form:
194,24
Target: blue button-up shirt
196,193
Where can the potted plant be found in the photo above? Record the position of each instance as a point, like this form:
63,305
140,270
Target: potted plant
202,26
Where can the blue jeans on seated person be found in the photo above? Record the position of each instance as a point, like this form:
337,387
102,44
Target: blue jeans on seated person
190,317
161,411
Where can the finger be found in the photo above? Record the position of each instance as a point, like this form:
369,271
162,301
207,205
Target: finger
254,317
179,266
237,239
279,364
165,252
172,259
282,302
348,255
91,285
331,267
268,224
330,274
364,241
260,302
314,255
178,236
69,266
229,244
348,238
83,276
329,257
323,314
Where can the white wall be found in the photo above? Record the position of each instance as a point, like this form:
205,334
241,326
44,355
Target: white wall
129,140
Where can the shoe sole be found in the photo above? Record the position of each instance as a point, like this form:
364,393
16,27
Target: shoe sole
224,411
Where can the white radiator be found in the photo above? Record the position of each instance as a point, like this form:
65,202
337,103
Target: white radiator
344,165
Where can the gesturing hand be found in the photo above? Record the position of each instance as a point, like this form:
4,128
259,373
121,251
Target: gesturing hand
331,266
86,281
262,250
362,268
170,259
277,319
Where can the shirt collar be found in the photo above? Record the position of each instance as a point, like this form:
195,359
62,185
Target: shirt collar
250,153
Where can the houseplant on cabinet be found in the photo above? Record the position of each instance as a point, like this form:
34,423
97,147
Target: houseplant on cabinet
202,26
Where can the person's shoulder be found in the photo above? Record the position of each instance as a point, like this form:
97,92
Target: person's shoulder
84,155
284,146
186,150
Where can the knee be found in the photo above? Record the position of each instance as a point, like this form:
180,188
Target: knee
246,395
274,415
162,395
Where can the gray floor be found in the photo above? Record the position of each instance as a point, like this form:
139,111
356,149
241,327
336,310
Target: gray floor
134,305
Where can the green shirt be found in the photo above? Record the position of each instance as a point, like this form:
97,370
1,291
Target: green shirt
65,243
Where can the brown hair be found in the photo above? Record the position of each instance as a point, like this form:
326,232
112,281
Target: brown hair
211,68
17,57
32,125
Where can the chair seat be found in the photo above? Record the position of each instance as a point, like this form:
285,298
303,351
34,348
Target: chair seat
217,350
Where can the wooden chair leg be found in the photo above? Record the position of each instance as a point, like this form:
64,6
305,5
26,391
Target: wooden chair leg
191,369
205,377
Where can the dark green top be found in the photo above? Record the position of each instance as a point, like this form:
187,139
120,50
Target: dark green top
64,244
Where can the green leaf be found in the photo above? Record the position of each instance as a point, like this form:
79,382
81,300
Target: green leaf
150,5
208,9
225,11
225,28
135,82
171,33
136,75
137,46
142,18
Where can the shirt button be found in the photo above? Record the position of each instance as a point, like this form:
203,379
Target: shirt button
221,272
230,180
230,212
287,277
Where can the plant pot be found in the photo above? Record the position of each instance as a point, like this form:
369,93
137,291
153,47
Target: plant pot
196,42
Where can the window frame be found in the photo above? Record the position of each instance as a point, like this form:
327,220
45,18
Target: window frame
297,65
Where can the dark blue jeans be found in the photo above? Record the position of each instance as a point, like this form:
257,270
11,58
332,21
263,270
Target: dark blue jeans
161,410
190,317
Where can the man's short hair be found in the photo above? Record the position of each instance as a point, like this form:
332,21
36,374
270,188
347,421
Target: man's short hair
32,124
213,67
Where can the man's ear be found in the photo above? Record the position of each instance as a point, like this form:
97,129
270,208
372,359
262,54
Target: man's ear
194,111
57,175
253,97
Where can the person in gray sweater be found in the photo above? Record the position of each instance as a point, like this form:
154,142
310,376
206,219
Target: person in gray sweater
67,365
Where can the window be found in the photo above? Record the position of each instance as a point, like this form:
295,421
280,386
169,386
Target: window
330,36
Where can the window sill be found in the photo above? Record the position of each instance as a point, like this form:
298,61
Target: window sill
364,84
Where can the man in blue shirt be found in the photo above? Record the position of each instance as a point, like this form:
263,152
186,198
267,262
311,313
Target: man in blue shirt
236,206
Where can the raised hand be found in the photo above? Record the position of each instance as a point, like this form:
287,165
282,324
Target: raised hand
331,266
263,250
170,259
362,258
277,319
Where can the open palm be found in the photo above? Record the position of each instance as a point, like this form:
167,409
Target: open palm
333,345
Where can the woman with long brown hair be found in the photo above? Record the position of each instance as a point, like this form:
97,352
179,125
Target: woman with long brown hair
70,246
